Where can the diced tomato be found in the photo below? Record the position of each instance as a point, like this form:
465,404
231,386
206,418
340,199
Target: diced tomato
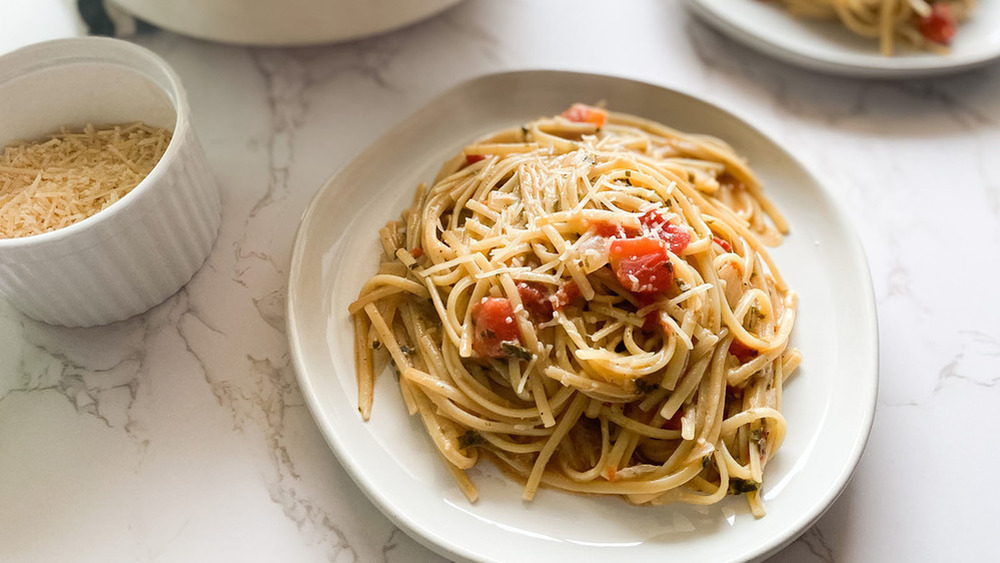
724,244
565,295
652,319
645,300
586,114
535,298
417,252
641,265
474,158
655,320
608,229
939,26
493,323
742,352
655,223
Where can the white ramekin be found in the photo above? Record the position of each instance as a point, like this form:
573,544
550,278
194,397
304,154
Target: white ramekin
140,250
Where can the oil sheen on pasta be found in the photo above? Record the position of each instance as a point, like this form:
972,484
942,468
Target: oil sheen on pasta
587,300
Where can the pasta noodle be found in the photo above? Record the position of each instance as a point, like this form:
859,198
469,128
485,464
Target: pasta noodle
587,300
924,24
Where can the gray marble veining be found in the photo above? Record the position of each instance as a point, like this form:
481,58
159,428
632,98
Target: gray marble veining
182,435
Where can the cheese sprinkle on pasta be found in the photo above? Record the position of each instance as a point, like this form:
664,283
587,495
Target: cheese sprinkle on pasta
587,301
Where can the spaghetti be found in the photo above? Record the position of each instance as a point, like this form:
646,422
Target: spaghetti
924,24
587,300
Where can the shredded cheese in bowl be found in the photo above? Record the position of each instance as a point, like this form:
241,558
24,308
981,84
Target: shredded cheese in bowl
70,175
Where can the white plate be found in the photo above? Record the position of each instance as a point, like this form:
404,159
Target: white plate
829,404
830,47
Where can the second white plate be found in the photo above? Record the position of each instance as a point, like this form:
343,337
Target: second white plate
829,404
830,47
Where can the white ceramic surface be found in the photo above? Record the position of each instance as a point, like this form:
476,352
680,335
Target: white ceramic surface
829,404
830,47
285,22
140,250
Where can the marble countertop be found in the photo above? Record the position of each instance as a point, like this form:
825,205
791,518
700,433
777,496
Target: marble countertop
181,434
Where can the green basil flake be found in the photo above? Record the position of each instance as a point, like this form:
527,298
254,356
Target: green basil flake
469,439
644,387
742,486
512,350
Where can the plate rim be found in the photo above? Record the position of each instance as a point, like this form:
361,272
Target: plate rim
443,546
857,66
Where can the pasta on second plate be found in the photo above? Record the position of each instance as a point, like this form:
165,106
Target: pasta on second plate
923,24
587,300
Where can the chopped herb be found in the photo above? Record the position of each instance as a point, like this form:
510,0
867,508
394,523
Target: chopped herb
469,439
705,461
628,173
760,436
681,285
643,386
414,265
752,315
406,350
376,344
512,350
741,486
524,131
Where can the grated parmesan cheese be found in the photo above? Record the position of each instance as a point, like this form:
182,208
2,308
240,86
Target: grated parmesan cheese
68,176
